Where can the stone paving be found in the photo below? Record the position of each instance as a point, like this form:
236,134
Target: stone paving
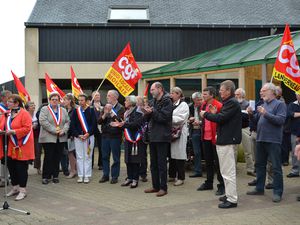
105,204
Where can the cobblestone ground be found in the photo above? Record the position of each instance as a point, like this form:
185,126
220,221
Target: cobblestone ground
94,203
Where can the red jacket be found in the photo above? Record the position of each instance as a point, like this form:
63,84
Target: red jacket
22,124
218,105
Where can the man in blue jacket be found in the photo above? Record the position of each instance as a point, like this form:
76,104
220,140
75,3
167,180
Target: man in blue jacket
270,118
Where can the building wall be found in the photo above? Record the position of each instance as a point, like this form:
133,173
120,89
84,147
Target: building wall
35,70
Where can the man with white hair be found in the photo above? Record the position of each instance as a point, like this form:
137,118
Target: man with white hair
111,137
270,118
240,95
195,132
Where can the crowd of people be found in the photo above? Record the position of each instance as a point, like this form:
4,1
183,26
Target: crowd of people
68,133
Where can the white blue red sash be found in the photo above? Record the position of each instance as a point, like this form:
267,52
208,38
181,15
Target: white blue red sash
134,141
57,117
14,138
82,120
3,108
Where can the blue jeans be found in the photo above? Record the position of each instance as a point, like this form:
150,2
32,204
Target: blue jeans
271,151
196,140
111,145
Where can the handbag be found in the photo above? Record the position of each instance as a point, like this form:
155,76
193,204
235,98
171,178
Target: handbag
176,133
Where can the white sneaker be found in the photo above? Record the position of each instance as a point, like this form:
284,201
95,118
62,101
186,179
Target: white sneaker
80,180
20,196
178,183
12,192
86,180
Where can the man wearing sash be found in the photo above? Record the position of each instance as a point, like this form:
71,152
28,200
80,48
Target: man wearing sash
18,127
111,136
55,122
3,108
83,124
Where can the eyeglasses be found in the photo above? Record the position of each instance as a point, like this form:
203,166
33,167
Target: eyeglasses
54,99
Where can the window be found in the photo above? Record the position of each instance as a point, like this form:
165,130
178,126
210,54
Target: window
128,14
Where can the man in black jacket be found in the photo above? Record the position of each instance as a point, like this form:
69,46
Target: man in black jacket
229,136
159,115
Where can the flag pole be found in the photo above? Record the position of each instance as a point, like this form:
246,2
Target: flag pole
99,87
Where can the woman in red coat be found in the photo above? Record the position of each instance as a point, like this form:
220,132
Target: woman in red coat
20,145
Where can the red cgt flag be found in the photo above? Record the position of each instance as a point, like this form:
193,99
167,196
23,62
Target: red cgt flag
52,87
21,89
286,67
76,89
124,73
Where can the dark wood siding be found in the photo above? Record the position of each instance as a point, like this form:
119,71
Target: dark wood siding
148,44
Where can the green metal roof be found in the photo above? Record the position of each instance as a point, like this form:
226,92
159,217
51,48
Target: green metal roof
247,53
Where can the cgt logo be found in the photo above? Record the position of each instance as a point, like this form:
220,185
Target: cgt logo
292,67
128,72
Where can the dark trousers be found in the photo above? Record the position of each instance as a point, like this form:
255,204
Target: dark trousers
144,161
197,148
211,162
18,171
64,162
133,171
53,152
158,159
286,147
37,153
176,168
269,151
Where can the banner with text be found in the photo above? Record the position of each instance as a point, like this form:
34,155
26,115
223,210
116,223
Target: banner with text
124,73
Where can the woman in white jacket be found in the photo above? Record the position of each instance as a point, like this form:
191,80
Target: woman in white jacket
178,146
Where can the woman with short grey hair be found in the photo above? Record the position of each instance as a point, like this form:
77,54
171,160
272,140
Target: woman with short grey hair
132,144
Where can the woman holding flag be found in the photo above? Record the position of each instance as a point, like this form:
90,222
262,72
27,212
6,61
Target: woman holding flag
132,142
83,124
54,121
20,145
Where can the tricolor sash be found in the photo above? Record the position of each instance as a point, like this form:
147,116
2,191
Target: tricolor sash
82,120
14,139
3,108
84,126
134,142
56,117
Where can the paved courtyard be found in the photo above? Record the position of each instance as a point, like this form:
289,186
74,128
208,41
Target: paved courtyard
105,204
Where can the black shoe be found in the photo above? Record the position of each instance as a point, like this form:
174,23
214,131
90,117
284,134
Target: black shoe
134,184
290,175
223,198
66,173
55,180
205,187
100,167
144,179
285,163
126,183
221,189
251,174
103,179
298,198
255,192
252,183
114,180
269,186
45,181
195,175
227,205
